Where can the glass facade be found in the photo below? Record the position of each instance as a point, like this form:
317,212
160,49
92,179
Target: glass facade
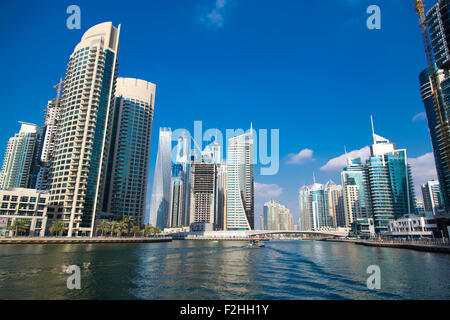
20,163
126,183
162,180
83,134
240,179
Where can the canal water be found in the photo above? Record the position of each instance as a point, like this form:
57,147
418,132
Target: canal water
221,270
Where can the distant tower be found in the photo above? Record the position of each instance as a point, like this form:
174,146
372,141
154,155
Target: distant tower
20,162
162,180
52,116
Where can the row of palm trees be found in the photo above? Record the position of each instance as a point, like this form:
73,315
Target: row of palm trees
125,226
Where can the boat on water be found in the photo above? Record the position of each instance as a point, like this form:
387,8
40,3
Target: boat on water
256,243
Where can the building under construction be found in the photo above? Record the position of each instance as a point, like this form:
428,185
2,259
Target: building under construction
435,91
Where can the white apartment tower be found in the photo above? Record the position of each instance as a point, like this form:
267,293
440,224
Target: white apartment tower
83,135
240,179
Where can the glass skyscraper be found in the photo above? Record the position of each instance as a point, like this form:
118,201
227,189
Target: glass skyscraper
162,181
127,173
436,98
83,135
21,158
52,116
240,179
356,192
390,181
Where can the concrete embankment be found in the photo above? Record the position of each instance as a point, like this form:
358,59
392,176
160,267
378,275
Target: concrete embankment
81,240
399,245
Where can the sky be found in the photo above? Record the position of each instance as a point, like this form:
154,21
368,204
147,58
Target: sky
311,69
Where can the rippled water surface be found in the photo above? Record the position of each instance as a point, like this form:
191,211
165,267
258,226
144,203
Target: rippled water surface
221,270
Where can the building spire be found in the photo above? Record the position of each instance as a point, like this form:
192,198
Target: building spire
373,130
314,178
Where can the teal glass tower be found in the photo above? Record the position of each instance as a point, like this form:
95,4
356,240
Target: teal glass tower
391,184
127,174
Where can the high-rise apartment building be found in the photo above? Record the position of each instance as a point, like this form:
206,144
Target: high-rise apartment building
435,91
177,197
334,193
203,193
52,116
83,134
305,222
276,217
20,164
432,198
356,193
162,181
127,173
314,207
240,180
390,181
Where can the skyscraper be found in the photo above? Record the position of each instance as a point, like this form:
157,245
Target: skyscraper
20,165
276,217
162,181
240,179
314,207
335,203
304,202
177,197
435,90
356,193
432,198
83,135
203,192
127,174
390,181
52,116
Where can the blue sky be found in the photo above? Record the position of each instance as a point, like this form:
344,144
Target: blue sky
311,69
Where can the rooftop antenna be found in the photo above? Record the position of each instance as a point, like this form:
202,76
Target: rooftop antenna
373,130
314,178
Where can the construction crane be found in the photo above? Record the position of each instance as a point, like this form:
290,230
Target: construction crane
443,124
420,10
438,99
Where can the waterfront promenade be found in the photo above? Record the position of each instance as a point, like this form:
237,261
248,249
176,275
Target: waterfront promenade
81,240
421,245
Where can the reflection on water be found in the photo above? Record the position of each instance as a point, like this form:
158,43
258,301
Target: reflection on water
221,270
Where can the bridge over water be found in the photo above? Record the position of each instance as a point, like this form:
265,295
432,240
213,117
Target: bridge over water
254,233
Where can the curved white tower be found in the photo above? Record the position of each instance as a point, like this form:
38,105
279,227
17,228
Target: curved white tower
77,173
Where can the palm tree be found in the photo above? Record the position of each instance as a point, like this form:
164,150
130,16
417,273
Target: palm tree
18,226
103,227
122,227
147,230
155,230
129,222
135,230
113,227
57,228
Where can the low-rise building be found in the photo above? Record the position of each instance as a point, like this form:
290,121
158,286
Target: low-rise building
363,228
24,204
411,226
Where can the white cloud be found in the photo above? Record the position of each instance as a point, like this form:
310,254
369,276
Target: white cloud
419,116
214,17
301,157
267,191
338,163
423,169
